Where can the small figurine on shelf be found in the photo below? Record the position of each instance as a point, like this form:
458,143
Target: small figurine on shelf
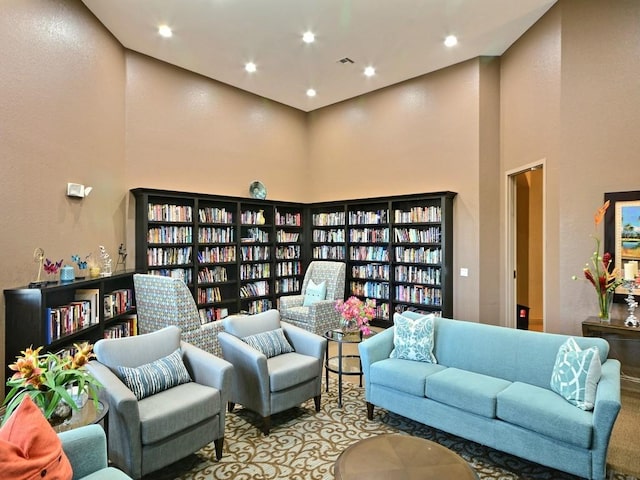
52,269
38,257
122,257
106,262
82,265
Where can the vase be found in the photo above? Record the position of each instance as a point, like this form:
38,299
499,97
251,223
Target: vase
605,301
349,326
61,412
260,220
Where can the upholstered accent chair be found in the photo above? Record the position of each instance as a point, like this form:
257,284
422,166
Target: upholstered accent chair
266,380
321,315
154,418
163,301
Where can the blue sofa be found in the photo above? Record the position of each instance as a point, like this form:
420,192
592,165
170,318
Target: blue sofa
491,385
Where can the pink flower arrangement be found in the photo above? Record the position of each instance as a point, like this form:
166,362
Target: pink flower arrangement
355,311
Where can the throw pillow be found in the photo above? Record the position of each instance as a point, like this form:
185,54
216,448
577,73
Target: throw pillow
413,339
270,343
314,293
30,448
155,377
576,374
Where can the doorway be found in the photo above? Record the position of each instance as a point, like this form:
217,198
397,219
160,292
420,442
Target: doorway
526,214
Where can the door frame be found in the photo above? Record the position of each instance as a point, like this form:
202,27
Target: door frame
510,300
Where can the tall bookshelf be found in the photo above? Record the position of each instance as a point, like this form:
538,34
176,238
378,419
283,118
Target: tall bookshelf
247,253
60,314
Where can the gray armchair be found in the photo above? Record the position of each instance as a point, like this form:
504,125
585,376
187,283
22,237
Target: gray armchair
148,434
320,316
163,301
271,385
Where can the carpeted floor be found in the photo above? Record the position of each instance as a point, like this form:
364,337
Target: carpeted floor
303,445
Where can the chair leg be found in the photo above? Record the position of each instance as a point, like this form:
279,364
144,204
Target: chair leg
218,442
370,411
230,407
316,400
266,424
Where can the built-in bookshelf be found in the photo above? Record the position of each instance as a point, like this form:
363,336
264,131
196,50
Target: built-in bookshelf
59,314
248,253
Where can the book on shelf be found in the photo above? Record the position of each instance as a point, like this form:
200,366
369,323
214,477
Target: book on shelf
128,327
92,295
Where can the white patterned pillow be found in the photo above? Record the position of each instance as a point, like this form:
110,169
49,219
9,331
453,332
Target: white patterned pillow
314,293
270,343
413,339
576,374
155,377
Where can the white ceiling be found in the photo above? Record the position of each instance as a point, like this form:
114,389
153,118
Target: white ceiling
402,39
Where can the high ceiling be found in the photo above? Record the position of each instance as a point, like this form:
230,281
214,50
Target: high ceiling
402,39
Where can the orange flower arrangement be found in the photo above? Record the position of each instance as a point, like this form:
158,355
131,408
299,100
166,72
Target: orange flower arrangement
46,379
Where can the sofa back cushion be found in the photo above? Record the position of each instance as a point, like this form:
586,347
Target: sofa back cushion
514,355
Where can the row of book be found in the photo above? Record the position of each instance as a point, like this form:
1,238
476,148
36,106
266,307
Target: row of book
359,235
413,274
328,219
419,294
210,275
282,236
289,219
369,253
127,328
216,235
254,289
258,306
418,255
67,319
170,213
157,256
253,271
326,252
255,253
118,302
256,235
209,295
214,215
212,314
183,273
284,269
250,217
368,217
289,252
329,236
418,235
418,214
170,234
382,310
217,254
378,290
287,285
371,271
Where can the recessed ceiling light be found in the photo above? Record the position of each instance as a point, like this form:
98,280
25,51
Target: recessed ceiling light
250,67
451,40
311,92
369,71
165,31
308,37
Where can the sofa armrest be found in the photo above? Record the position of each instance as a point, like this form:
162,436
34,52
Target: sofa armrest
375,348
605,411
305,342
86,448
291,301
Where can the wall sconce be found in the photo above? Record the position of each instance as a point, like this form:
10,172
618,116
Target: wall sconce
77,190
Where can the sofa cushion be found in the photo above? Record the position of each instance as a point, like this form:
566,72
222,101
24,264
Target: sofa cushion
314,293
406,376
468,391
413,338
543,411
576,374
30,448
154,377
291,369
171,411
270,343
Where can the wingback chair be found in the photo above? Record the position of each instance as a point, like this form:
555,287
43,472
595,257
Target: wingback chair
163,301
174,419
283,372
320,316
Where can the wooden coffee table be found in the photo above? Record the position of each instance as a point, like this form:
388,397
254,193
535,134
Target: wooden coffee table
401,457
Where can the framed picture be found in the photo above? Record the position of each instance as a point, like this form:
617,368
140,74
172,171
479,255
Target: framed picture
622,234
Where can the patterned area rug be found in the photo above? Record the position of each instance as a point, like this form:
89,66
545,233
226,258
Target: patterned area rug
304,445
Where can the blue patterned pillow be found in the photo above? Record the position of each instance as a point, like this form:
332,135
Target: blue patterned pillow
270,343
576,374
154,377
413,339
314,293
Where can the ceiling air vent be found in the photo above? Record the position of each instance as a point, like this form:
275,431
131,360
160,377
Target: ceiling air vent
345,60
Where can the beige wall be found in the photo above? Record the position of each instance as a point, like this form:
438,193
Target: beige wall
77,107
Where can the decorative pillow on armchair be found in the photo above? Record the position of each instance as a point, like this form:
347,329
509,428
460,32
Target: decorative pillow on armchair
576,374
413,339
30,448
270,343
314,293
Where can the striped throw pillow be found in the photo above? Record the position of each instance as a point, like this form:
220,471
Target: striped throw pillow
270,343
155,377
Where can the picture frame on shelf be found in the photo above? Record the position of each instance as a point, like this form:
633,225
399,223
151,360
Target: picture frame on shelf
622,234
